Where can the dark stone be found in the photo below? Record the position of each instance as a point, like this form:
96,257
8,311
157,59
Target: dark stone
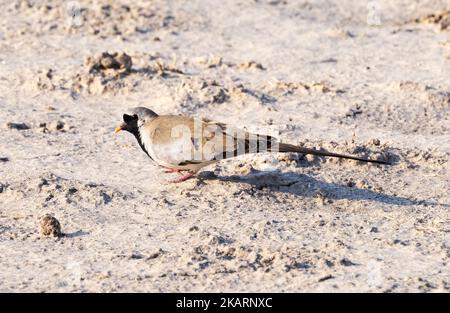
347,262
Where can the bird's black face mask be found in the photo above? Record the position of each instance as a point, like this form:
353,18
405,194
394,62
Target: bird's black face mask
129,124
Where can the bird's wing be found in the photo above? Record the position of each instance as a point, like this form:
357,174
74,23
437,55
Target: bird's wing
235,142
179,141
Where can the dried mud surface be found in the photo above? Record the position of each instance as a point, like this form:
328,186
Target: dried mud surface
84,210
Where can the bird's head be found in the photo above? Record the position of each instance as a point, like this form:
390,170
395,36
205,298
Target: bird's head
133,120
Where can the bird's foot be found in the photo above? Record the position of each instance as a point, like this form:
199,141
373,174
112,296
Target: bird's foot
182,178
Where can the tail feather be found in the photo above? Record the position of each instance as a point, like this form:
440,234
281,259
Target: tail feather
285,147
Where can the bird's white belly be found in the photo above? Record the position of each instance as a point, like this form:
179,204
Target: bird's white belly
170,154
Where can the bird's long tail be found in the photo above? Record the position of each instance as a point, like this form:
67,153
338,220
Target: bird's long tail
285,147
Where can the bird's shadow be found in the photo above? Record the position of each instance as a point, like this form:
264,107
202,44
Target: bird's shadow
307,186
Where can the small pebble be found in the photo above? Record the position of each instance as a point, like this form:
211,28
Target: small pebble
193,228
346,262
326,278
18,126
50,226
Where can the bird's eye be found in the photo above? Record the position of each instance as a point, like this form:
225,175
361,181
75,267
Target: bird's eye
135,116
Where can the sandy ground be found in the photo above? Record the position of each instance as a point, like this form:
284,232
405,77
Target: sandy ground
368,78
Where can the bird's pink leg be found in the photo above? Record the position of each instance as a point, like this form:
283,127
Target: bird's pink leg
183,178
170,170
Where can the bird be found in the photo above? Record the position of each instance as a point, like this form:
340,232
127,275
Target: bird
182,144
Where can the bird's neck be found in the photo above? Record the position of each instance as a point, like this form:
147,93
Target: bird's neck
137,134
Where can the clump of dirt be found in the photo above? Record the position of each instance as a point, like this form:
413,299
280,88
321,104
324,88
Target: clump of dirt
105,73
209,62
442,19
53,126
251,65
417,157
291,87
164,70
50,226
216,61
118,62
204,91
243,93
113,72
44,80
373,150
